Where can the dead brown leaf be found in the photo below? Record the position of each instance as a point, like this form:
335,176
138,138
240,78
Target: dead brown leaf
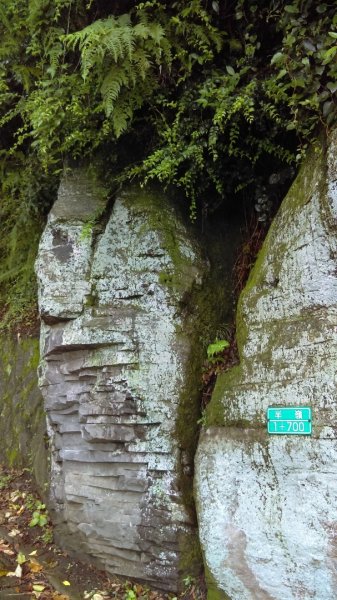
5,548
35,566
14,533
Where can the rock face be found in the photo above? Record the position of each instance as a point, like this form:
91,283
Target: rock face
22,418
120,310
267,505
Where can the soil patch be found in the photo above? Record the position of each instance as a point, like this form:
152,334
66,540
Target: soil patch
32,566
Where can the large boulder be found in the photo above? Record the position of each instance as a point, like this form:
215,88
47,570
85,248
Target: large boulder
120,299
267,504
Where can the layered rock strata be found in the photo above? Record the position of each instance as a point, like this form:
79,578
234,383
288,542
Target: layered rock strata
267,504
119,309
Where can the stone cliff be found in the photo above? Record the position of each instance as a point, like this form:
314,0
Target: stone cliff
126,303
267,505
119,295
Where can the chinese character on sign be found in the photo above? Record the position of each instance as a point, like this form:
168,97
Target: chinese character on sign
278,414
298,414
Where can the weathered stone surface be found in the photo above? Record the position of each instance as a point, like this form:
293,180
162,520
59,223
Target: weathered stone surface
267,506
120,313
22,417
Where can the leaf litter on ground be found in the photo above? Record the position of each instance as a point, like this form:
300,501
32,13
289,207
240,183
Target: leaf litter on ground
33,566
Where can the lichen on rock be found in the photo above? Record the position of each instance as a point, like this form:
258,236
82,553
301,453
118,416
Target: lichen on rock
267,505
120,314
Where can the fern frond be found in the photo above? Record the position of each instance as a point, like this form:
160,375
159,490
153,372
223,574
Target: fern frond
54,55
141,31
121,117
111,87
141,62
156,32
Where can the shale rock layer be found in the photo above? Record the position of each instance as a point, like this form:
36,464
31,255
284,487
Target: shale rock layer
119,315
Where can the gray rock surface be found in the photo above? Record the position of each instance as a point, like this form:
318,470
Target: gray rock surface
267,505
120,312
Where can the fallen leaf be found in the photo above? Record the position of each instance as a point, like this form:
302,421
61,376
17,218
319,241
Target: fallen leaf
21,559
34,553
14,532
3,573
35,566
138,588
52,563
6,549
37,587
66,583
16,573
14,496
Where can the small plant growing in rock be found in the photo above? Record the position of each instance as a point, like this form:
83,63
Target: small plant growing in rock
214,350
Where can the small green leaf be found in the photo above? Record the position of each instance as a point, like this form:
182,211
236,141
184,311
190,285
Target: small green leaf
281,74
331,117
329,54
21,558
277,58
42,520
34,521
332,86
217,347
298,82
327,107
324,96
290,39
290,8
333,34
230,70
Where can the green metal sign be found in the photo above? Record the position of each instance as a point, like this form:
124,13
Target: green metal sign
290,420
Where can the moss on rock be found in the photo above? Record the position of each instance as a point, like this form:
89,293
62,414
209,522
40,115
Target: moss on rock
22,422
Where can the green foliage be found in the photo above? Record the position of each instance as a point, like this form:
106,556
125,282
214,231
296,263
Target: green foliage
210,97
258,105
215,349
39,516
4,480
213,89
21,228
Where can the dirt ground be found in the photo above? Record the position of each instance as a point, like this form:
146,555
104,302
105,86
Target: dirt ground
32,566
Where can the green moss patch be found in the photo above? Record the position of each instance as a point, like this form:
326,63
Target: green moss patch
22,418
